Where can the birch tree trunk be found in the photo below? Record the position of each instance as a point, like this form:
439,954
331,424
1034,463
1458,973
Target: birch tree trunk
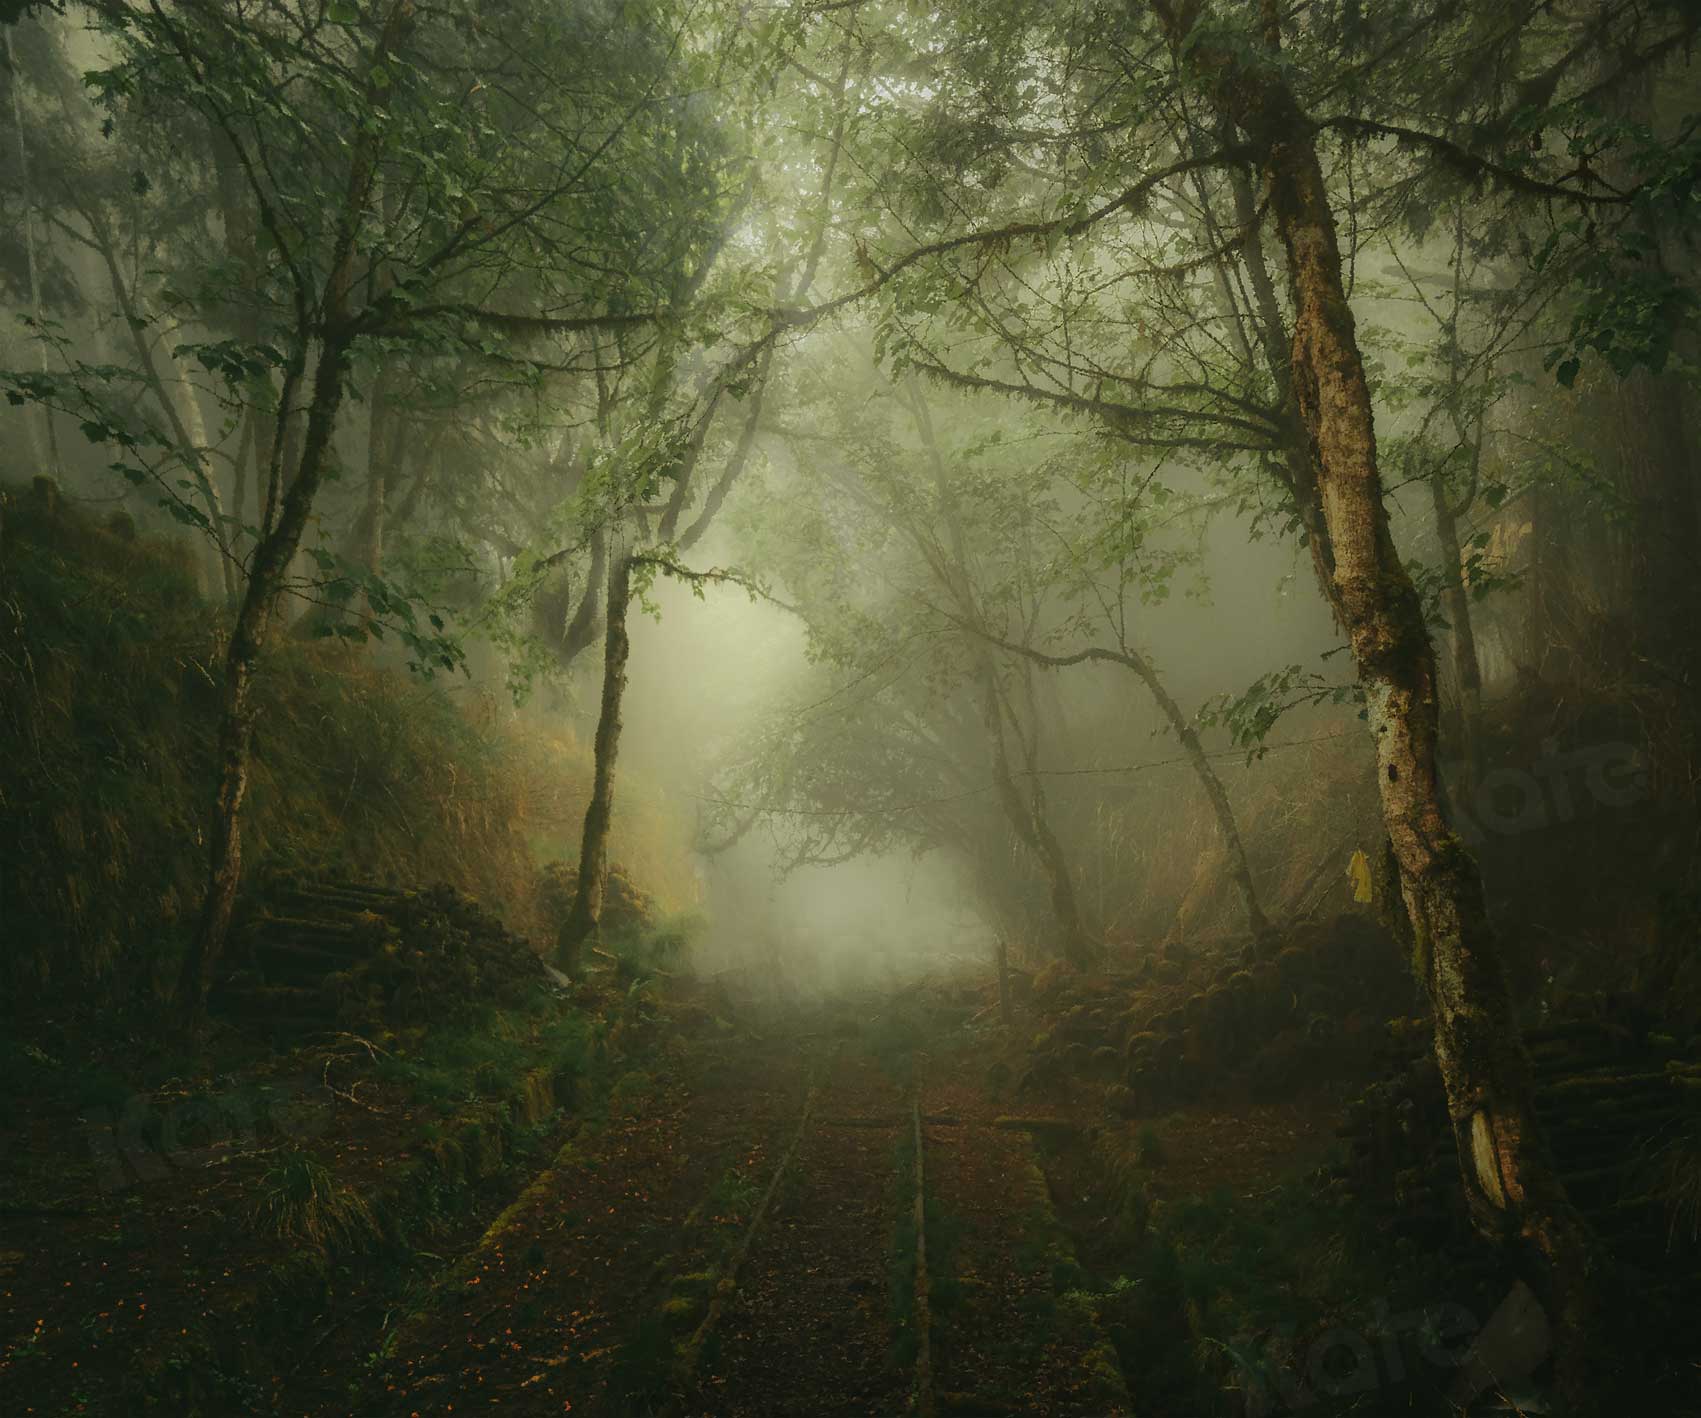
47,437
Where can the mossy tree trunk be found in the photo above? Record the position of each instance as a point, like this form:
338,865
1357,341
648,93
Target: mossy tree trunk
1228,827
586,913
248,638
292,489
1513,1190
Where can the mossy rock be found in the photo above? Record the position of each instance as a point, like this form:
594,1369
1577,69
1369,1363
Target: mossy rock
1105,1061
1142,1045
682,1313
1053,980
1122,1100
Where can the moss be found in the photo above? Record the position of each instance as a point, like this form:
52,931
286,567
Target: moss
1141,1046
682,1312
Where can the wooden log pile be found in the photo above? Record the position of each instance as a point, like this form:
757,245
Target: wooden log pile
317,955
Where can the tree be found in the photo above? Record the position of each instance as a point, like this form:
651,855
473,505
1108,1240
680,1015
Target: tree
1012,278
1510,1182
388,223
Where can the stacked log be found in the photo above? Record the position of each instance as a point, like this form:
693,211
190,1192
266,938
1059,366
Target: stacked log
317,955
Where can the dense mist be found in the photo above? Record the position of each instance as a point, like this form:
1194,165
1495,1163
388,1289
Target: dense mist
847,707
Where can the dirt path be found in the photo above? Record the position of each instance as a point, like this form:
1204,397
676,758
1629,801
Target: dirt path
1003,1344
729,1246
550,1313
809,1329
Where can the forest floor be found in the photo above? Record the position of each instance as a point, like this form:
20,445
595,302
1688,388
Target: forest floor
719,1222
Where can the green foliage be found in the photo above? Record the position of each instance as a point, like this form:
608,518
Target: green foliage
1250,715
644,948
735,1194
483,1057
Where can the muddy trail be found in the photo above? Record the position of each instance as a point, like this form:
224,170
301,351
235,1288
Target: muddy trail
741,1240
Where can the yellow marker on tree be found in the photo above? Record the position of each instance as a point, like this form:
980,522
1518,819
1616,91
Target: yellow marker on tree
1358,872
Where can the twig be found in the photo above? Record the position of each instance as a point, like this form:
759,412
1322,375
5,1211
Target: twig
346,1097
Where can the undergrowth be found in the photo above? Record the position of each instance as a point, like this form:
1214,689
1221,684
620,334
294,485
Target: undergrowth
110,661
478,1057
1219,1303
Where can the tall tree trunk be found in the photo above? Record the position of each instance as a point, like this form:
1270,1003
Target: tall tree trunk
182,413
237,708
382,435
1469,432
293,501
1657,470
425,465
1511,1186
246,466
1028,820
1295,460
194,426
47,438
586,914
1239,867
1456,601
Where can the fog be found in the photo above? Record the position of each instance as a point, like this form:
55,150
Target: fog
871,529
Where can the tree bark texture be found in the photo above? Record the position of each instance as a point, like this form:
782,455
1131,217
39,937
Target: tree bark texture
586,913
237,707
1511,1186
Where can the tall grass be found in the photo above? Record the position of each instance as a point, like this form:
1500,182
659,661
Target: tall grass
301,1203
